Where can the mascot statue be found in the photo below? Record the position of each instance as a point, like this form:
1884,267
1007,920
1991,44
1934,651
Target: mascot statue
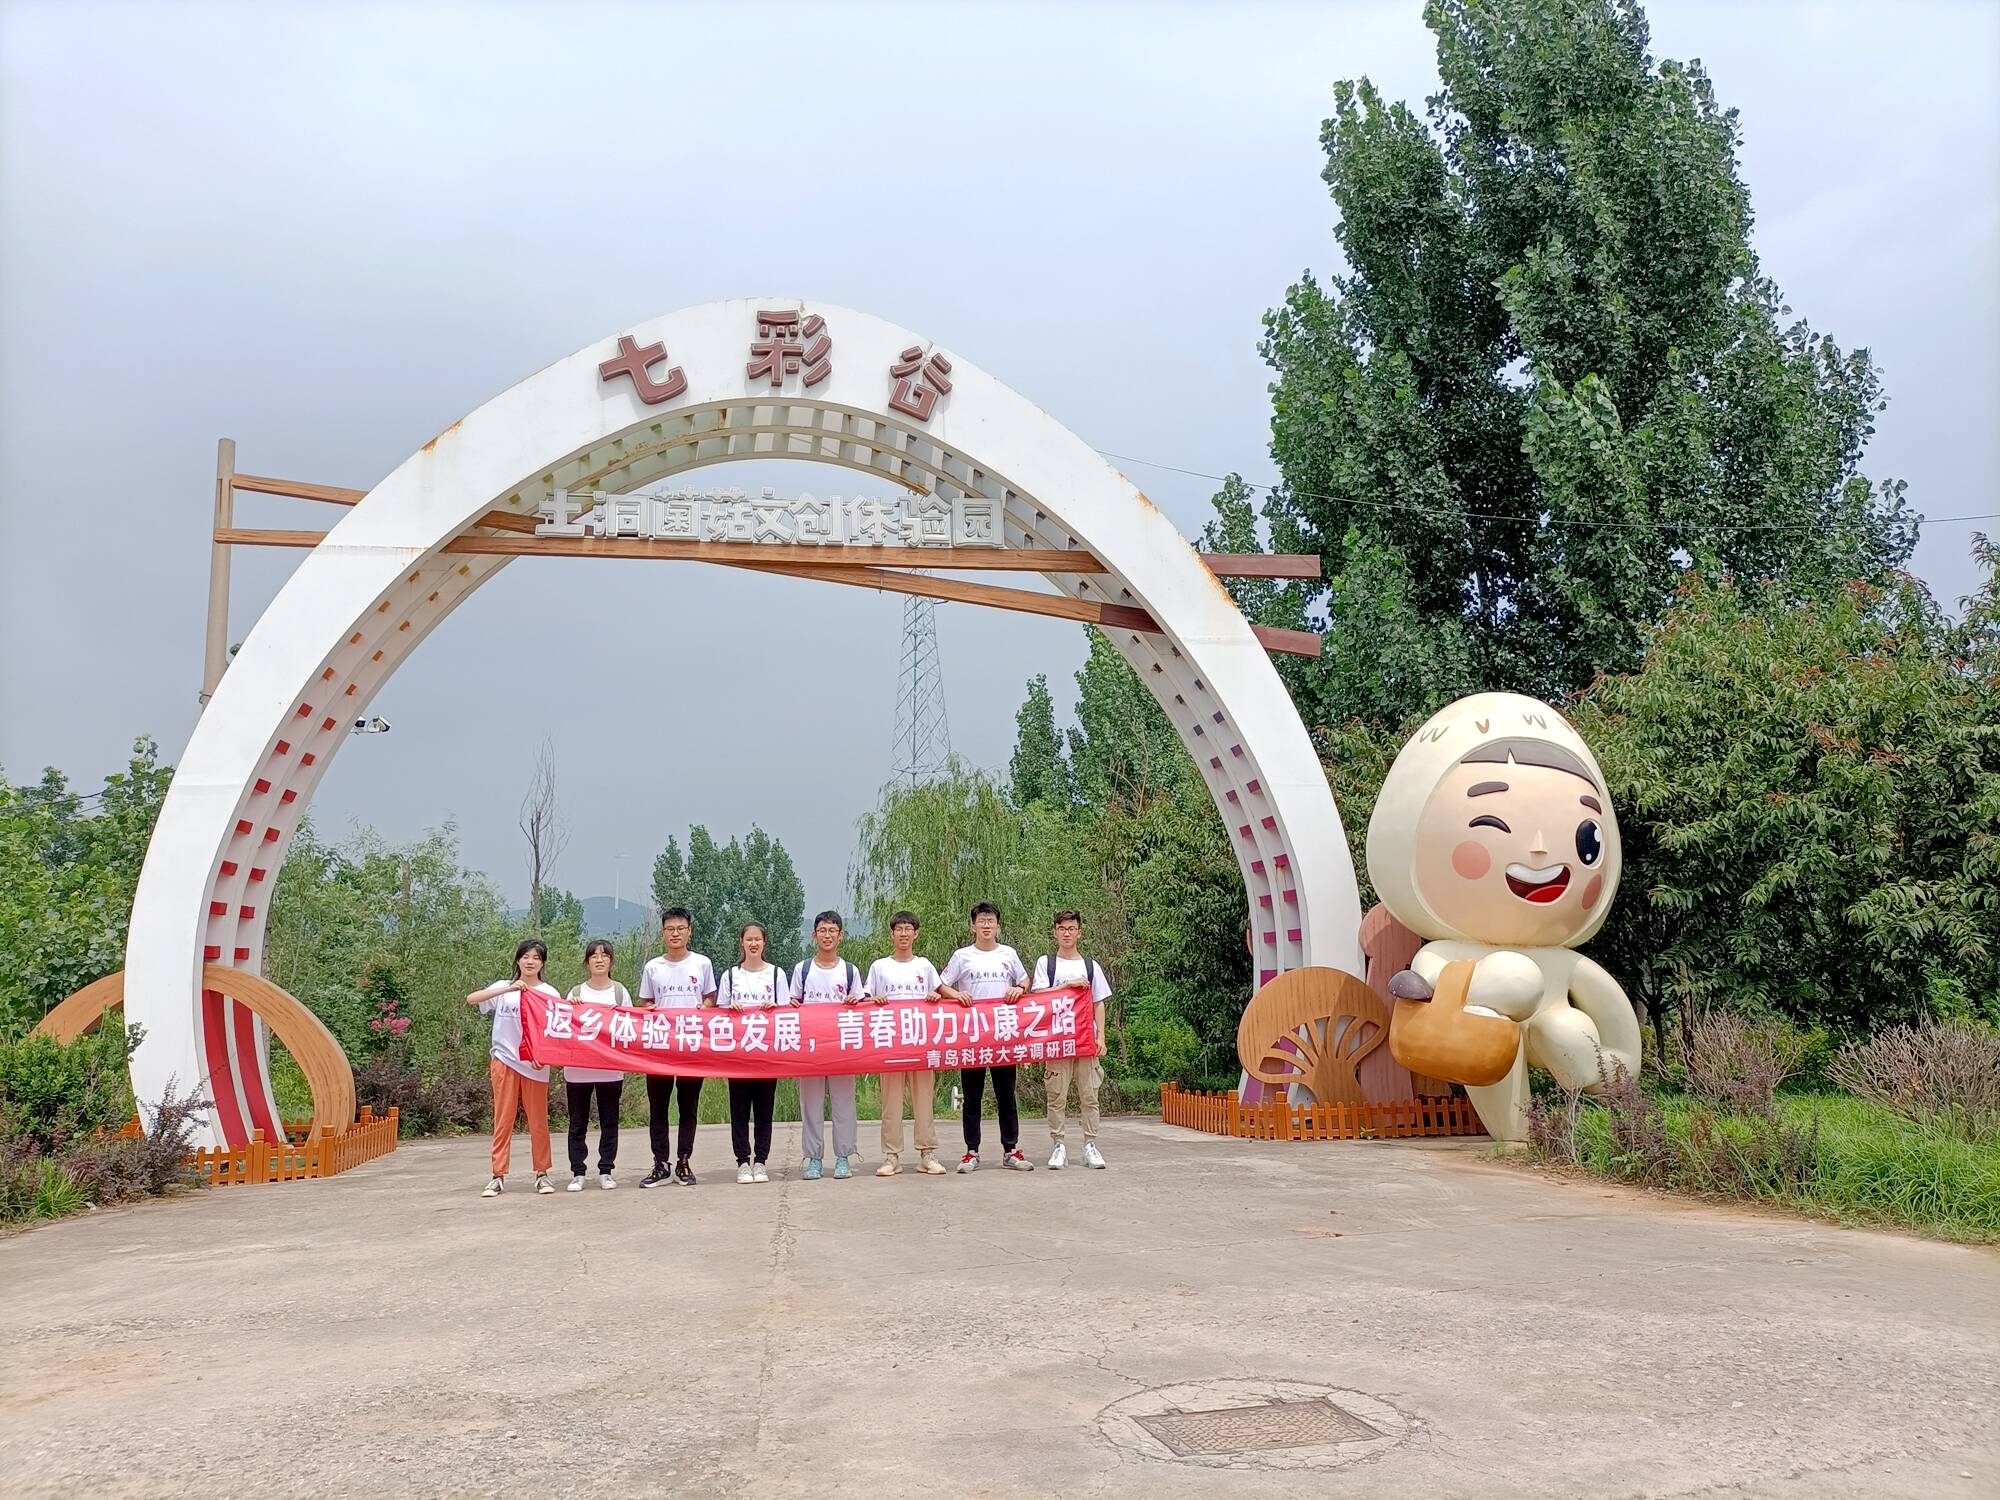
1495,841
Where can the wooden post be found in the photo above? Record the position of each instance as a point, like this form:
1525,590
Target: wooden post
215,658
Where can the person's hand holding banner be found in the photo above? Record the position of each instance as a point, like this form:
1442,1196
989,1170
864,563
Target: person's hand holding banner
898,1036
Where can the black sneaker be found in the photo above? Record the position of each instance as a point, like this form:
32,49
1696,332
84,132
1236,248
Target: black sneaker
683,1173
655,1177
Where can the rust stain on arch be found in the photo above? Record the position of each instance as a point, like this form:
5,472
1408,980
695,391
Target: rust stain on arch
432,444
305,1036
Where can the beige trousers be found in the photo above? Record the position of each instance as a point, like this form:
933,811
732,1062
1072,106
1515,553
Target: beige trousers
1057,1076
923,1093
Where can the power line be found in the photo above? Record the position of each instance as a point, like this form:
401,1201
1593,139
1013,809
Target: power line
1496,515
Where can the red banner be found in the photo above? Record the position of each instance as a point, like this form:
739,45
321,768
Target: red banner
794,1041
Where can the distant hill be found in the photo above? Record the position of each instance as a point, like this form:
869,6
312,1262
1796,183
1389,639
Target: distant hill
602,917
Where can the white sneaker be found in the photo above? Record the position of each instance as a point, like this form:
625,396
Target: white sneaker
1092,1157
758,1174
606,1181
495,1188
1059,1158
930,1166
969,1162
576,1183
542,1183
743,1174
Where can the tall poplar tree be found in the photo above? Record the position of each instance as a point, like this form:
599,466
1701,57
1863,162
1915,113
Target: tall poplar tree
1552,376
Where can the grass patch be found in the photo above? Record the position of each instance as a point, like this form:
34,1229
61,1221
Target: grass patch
1828,1155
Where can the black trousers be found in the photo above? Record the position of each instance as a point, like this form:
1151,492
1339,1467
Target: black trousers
747,1097
660,1091
607,1096
973,1081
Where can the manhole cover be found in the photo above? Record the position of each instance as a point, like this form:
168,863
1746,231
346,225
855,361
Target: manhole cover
1273,1424
1254,1424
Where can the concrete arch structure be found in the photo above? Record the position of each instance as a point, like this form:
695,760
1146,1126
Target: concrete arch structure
379,583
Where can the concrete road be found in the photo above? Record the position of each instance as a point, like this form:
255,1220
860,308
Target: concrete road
1481,1331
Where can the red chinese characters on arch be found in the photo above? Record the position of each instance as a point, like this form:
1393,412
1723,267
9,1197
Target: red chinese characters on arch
790,343
918,382
635,363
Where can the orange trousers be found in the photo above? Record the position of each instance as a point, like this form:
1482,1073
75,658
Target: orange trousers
513,1094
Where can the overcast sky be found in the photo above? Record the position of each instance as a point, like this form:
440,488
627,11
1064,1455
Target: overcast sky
328,231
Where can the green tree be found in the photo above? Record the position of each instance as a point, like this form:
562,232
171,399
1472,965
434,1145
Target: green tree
937,848
1121,747
1809,796
725,885
1551,378
67,874
1039,772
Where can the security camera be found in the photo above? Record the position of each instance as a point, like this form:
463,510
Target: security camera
370,726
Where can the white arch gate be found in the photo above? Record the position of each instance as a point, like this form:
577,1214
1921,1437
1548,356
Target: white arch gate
380,582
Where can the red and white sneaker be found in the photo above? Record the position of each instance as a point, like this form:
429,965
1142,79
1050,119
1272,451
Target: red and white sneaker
969,1162
1017,1161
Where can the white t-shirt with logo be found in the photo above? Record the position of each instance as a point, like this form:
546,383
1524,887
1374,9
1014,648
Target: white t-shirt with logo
986,975
505,1009
1071,971
834,986
613,993
677,983
896,979
748,989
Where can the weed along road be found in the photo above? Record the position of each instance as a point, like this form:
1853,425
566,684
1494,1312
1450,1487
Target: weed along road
1209,1317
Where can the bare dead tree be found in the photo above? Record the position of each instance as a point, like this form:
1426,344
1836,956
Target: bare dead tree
543,826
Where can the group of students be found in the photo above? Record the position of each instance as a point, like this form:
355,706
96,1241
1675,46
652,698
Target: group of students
679,978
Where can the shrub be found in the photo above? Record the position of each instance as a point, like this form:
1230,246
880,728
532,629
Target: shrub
56,1192
1736,1064
1942,1075
449,1103
1552,1126
52,1093
1641,1147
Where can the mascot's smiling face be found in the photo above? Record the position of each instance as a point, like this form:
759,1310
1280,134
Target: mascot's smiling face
1494,826
1514,849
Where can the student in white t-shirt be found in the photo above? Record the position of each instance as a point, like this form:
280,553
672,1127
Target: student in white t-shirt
904,976
987,970
518,1087
825,978
752,984
1068,966
679,979
605,1085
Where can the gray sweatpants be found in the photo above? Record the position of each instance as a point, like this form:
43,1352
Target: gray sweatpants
812,1100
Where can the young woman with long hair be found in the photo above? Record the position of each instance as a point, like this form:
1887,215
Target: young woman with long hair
605,1085
752,984
518,1087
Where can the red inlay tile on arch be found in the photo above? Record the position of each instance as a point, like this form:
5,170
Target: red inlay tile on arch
328,724
1265,976
327,675
288,795
305,710
1283,861
1215,762
247,913
1257,786
1257,865
211,955
284,747
1271,938
1270,824
1292,936
306,759
270,835
256,874
229,867
1231,795
1291,898
242,825
350,689
1244,830
262,786
1265,899
243,955
218,908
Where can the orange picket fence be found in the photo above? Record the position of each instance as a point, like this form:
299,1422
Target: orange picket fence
1277,1120
302,1154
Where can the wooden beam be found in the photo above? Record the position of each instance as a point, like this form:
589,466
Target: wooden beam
830,565
982,559
1022,601
263,484
215,648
